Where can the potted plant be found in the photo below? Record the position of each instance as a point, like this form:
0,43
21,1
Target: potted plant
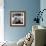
39,16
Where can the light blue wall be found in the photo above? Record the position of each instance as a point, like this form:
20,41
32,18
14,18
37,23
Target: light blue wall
43,6
30,6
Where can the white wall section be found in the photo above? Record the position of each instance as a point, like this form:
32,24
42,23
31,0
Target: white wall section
1,20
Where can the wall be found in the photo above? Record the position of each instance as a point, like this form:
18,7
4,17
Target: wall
1,21
43,6
30,6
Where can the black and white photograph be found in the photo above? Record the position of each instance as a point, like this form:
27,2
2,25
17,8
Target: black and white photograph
17,18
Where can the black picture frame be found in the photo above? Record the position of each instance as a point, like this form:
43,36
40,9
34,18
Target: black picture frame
17,18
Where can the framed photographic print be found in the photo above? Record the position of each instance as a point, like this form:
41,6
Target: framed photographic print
17,18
